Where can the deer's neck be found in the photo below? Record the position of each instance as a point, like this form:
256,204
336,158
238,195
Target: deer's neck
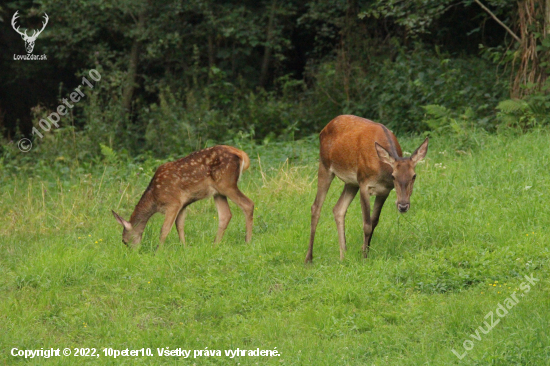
143,212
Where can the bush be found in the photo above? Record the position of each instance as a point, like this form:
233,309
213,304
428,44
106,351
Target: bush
532,111
395,92
404,94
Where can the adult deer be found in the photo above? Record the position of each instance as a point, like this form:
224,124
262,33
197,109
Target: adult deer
210,172
29,40
368,158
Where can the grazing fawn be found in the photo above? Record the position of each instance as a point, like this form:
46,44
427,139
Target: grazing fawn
368,158
210,172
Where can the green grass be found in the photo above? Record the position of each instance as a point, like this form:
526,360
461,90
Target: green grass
476,217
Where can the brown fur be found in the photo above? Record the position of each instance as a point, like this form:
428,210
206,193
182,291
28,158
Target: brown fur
367,157
214,171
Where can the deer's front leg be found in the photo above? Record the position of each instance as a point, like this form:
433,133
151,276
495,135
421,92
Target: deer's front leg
169,219
377,209
180,221
367,223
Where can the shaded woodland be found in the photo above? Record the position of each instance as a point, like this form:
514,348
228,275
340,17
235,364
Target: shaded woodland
176,74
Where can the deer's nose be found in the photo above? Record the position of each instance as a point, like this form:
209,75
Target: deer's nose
403,208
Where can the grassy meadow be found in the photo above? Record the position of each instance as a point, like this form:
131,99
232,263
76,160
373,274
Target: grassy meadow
478,224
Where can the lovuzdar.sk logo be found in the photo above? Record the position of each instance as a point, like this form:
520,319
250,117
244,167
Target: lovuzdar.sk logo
29,40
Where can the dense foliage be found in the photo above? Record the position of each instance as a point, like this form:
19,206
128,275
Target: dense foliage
177,74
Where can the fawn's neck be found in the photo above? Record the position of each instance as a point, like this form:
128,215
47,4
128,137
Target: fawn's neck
143,212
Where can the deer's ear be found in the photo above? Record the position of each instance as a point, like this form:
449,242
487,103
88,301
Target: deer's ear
384,155
420,153
121,221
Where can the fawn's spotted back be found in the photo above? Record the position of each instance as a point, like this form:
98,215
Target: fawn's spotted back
199,175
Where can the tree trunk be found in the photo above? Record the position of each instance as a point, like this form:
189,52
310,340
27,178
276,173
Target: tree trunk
130,82
268,47
529,75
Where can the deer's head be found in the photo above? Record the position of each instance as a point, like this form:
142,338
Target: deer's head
29,40
130,236
403,173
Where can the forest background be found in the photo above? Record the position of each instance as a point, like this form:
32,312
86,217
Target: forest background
180,75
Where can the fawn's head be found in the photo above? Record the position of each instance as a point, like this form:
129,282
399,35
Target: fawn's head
403,173
129,234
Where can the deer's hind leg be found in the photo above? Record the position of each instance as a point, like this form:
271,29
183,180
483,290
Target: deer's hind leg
226,184
246,204
339,212
224,214
324,179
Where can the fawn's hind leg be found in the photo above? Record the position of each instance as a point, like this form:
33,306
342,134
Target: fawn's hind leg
246,204
224,214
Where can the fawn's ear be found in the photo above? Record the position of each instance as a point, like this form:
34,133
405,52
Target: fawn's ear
122,222
384,155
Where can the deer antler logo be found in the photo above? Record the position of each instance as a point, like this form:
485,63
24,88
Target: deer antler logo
29,40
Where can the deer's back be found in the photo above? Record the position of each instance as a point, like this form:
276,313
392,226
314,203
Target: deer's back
199,175
348,150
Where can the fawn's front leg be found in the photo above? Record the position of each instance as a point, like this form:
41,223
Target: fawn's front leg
169,219
180,221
